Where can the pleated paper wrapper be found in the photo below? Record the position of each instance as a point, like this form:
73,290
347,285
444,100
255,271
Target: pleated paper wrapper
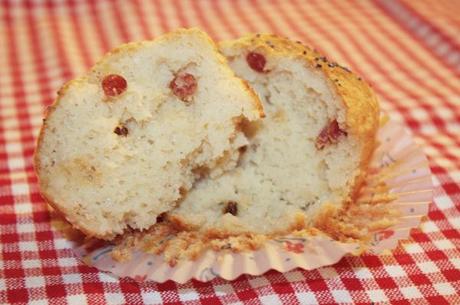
408,179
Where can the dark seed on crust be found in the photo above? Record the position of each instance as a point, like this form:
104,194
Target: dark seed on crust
231,207
321,58
121,131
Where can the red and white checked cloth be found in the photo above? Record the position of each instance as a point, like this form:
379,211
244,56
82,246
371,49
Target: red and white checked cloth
408,50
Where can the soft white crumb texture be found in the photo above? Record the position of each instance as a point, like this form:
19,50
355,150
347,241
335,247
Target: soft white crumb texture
105,182
282,173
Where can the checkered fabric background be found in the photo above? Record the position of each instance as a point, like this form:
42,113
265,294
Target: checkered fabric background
408,50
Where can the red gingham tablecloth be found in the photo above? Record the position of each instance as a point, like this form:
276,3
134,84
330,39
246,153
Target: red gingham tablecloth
408,50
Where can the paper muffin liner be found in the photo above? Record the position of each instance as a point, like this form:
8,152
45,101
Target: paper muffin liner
407,176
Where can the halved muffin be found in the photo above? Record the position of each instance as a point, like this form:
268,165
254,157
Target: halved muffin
312,148
125,142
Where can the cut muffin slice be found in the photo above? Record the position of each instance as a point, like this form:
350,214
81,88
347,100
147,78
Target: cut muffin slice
311,149
126,142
